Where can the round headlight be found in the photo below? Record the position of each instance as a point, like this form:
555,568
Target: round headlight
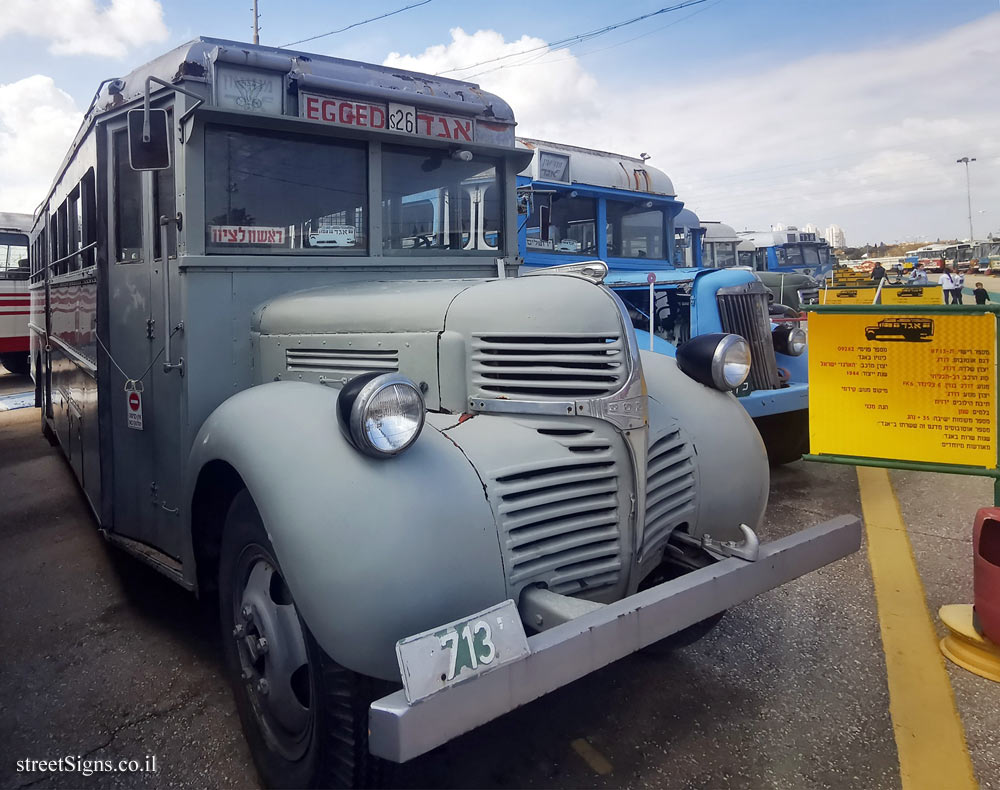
731,362
790,340
382,414
716,360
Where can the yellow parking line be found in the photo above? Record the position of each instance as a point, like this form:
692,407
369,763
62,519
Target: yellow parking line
930,739
597,761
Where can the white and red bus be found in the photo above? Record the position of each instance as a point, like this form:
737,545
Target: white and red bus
15,302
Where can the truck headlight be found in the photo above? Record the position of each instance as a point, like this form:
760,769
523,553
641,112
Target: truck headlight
716,360
381,413
788,339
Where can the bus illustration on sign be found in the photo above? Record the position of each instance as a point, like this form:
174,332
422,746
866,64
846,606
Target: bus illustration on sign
905,330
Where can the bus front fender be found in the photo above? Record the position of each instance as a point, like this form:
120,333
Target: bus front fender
373,550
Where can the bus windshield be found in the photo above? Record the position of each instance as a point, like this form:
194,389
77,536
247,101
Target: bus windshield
635,231
13,249
270,193
433,203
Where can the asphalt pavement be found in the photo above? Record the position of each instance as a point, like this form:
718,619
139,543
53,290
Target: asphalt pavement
106,659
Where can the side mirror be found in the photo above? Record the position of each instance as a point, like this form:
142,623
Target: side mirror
148,149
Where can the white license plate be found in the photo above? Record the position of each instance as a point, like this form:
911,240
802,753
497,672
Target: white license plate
449,654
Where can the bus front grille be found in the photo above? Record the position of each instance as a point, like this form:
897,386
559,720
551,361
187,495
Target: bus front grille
743,311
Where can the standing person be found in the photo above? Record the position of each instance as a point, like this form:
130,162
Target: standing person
959,279
878,273
918,276
981,294
947,284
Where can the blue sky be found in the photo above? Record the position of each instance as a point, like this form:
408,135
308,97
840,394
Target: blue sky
714,38
787,111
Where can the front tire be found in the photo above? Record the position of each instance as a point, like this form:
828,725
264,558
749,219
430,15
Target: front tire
786,436
305,717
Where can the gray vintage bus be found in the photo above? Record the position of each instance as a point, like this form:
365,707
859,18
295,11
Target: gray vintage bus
278,334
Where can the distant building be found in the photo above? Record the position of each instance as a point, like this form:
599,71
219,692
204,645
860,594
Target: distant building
810,228
779,226
834,236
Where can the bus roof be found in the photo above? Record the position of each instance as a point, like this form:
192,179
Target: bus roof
15,223
687,219
719,232
570,164
775,238
196,60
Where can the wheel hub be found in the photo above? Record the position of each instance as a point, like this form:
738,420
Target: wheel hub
273,657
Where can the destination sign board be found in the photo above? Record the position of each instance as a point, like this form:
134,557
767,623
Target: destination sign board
400,118
904,386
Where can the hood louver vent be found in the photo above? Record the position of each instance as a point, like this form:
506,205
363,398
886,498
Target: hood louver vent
670,488
550,367
559,523
341,363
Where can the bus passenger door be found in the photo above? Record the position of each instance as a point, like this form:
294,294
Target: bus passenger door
167,386
131,341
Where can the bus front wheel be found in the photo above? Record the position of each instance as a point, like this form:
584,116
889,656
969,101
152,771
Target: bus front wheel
305,717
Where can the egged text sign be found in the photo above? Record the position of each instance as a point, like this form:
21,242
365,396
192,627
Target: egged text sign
909,387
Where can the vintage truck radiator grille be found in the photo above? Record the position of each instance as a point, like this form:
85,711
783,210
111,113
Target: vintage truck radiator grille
670,488
341,363
559,523
743,311
551,367
808,295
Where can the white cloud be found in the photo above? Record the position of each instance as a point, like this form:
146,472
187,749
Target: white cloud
549,98
37,124
82,27
865,139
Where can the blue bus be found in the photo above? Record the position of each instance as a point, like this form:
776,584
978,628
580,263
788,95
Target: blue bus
579,205
789,250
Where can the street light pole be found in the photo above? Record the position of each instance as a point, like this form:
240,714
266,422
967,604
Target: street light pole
968,191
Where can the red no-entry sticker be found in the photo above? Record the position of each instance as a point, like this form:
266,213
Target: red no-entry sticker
134,411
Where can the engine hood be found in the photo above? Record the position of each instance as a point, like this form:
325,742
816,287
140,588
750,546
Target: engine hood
378,307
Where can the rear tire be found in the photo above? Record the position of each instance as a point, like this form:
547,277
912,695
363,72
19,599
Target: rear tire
17,362
305,717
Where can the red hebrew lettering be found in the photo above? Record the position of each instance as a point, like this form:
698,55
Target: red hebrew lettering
463,128
426,121
329,110
444,127
377,117
231,233
362,114
241,234
346,113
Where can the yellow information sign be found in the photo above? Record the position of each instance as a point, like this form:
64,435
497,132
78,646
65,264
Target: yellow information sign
913,294
908,387
846,295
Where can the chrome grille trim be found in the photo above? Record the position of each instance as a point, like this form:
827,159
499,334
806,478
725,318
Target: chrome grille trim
670,489
743,311
344,363
560,519
552,367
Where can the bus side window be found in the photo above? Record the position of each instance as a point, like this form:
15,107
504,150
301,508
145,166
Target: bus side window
165,201
760,254
87,212
73,229
127,203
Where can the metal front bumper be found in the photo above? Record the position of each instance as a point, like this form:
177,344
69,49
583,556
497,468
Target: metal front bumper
399,731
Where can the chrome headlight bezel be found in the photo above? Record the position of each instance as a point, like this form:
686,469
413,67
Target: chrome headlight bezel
789,340
710,359
356,398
